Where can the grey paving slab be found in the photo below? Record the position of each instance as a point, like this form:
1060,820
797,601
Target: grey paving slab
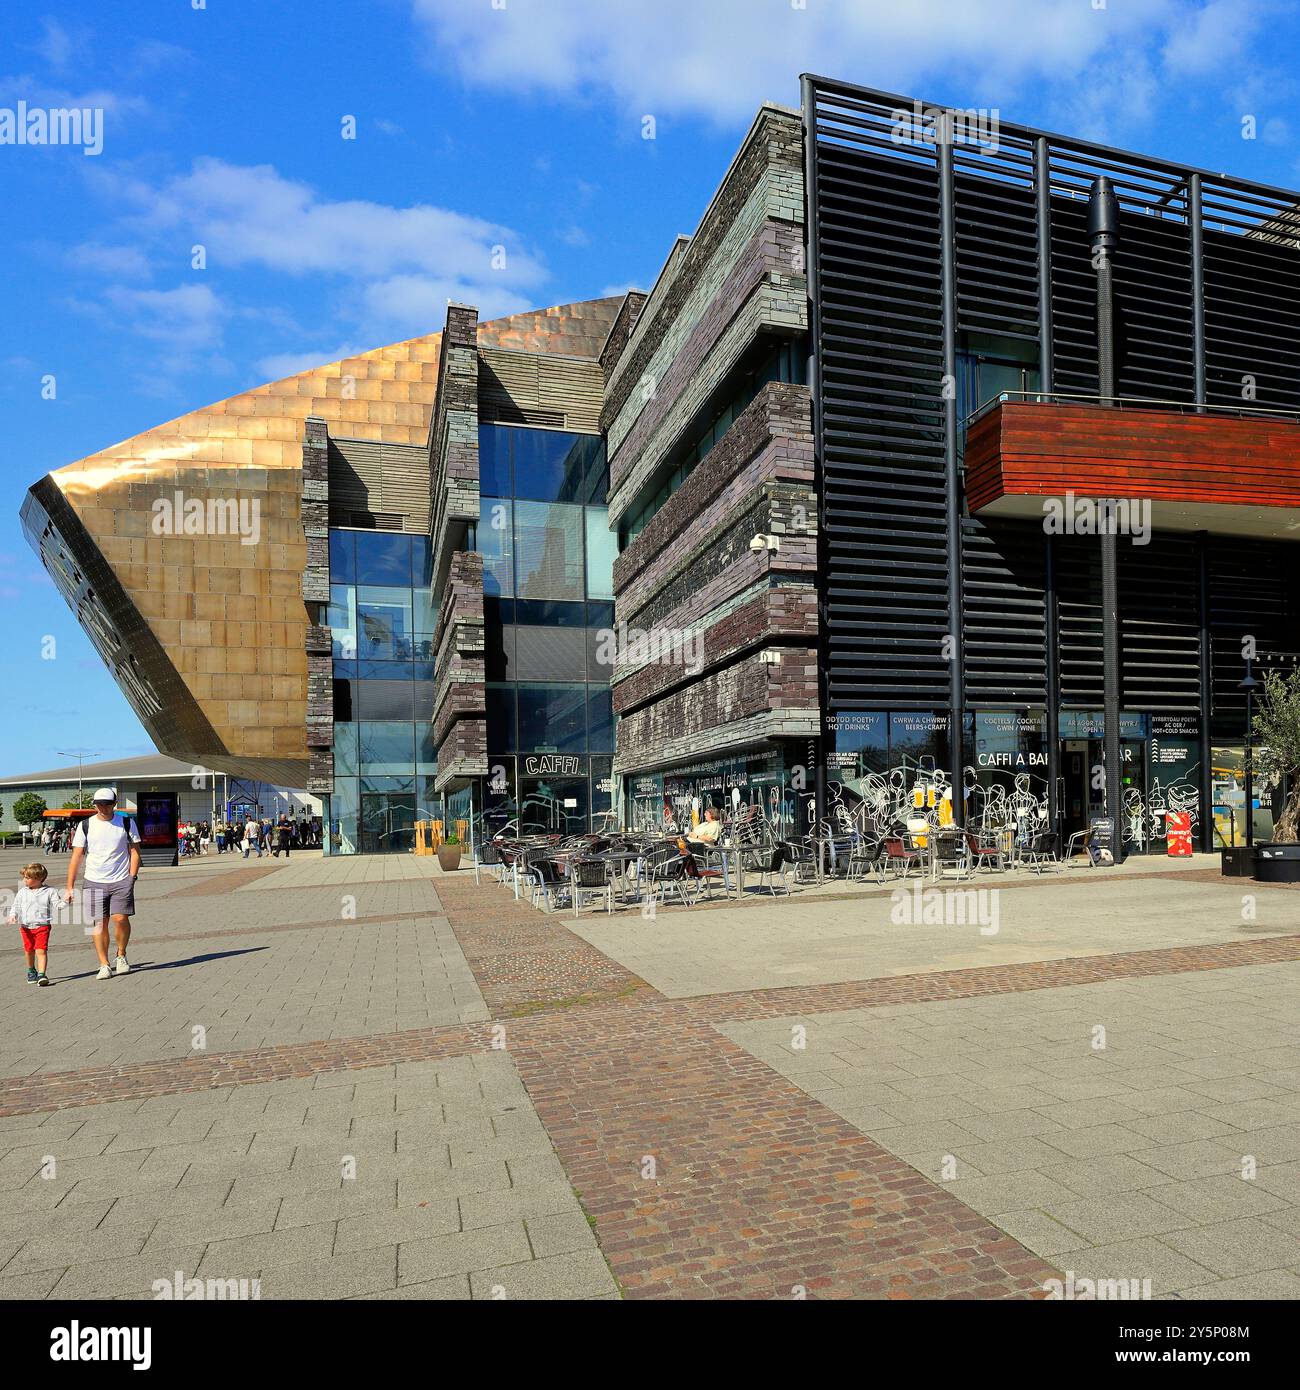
264,1197
1131,1161
809,939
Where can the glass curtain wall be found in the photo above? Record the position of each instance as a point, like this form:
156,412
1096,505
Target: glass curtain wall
382,618
548,585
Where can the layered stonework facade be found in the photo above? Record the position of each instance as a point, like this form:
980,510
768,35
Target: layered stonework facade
727,564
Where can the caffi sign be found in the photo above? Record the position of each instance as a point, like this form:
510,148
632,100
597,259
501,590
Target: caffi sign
1013,760
552,765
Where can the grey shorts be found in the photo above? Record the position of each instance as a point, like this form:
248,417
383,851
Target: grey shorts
100,900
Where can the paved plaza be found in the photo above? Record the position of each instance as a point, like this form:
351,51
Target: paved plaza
364,1079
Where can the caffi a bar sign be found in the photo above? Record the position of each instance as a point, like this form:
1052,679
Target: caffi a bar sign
552,765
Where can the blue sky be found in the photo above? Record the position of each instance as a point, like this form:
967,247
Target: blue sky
478,123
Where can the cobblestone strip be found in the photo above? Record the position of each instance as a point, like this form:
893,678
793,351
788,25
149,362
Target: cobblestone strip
992,979
527,961
708,1175
23,1095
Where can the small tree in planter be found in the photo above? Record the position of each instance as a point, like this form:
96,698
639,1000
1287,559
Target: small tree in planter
449,852
1277,734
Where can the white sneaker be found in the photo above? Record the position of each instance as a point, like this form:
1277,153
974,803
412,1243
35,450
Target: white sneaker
122,965
104,973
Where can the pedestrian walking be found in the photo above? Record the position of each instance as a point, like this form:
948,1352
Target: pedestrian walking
35,904
109,845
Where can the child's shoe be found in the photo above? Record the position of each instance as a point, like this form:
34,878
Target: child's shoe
31,974
104,972
122,965
41,979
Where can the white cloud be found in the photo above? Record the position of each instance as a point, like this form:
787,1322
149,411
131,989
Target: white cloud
184,320
386,272
721,58
253,215
129,262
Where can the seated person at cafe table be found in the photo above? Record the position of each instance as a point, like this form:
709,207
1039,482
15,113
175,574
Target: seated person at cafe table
709,829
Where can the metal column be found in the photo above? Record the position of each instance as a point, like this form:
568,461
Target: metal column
1103,229
1046,381
813,377
952,478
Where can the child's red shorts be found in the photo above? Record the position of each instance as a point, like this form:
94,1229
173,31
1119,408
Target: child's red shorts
36,938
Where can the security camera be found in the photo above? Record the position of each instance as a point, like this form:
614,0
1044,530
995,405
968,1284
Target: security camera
758,543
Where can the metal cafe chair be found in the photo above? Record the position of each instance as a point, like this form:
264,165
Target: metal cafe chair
950,855
801,856
985,851
1044,850
701,874
663,871
590,879
899,859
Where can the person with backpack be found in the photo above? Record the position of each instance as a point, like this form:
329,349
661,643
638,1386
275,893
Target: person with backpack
110,846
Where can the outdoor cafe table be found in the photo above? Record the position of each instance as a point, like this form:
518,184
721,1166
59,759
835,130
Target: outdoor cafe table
621,859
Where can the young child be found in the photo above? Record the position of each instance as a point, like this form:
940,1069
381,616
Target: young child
34,907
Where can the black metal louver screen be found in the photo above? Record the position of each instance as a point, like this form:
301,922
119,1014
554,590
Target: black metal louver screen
1160,624
997,241
881,363
875,215
1253,594
1004,617
1252,299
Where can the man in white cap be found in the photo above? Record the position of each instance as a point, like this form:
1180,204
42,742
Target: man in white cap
111,848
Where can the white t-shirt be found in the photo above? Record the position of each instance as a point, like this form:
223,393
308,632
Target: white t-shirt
108,859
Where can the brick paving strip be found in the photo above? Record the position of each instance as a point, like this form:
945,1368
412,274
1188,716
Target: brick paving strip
991,979
24,1095
758,1190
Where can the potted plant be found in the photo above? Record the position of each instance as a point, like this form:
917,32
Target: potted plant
449,853
1277,732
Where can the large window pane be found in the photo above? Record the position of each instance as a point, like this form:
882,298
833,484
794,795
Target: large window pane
426,750
551,466
495,544
548,551
553,718
343,558
600,706
386,700
494,460
345,750
421,562
345,700
602,547
343,809
424,613
341,619
387,748
501,718
384,557
384,624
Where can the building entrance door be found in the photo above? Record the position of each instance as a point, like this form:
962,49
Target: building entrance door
1075,778
387,822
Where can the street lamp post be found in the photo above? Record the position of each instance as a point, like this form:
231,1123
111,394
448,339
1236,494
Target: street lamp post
80,757
1250,685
